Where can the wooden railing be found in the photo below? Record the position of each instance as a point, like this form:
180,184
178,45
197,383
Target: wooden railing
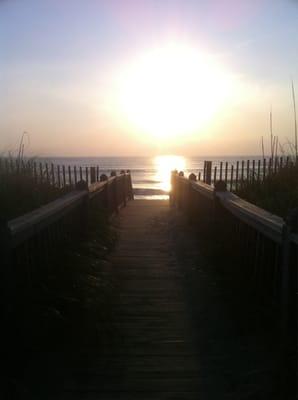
28,242
262,249
268,244
264,245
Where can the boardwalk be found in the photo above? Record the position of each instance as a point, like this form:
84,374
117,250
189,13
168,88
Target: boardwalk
173,334
159,358
177,338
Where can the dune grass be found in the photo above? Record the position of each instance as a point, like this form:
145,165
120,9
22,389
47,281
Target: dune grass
277,194
20,193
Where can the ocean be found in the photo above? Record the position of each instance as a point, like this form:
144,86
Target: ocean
150,175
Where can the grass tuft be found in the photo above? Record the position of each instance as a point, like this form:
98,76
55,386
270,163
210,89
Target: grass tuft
277,194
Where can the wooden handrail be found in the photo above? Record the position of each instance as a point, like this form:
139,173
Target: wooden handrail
97,186
268,224
27,225
203,188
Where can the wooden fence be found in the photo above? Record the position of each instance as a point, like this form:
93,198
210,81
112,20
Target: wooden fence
28,242
234,174
55,174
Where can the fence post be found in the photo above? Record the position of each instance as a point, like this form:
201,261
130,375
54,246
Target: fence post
208,172
92,174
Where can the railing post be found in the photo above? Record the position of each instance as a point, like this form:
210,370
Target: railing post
7,280
287,336
130,189
123,186
219,186
126,181
173,194
104,178
114,204
190,200
92,175
208,170
180,191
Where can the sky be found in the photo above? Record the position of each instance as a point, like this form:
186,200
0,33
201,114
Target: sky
137,77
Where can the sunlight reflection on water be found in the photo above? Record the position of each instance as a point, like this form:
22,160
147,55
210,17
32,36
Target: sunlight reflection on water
164,165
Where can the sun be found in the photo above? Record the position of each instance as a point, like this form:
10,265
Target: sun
171,91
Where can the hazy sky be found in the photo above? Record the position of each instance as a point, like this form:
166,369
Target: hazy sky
139,77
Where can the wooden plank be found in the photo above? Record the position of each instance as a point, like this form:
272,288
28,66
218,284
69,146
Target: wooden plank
157,351
237,175
96,188
203,188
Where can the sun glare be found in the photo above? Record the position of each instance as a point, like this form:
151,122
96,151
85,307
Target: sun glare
164,166
172,91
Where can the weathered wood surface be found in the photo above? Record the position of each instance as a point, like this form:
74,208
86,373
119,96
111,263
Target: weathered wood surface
172,335
157,358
